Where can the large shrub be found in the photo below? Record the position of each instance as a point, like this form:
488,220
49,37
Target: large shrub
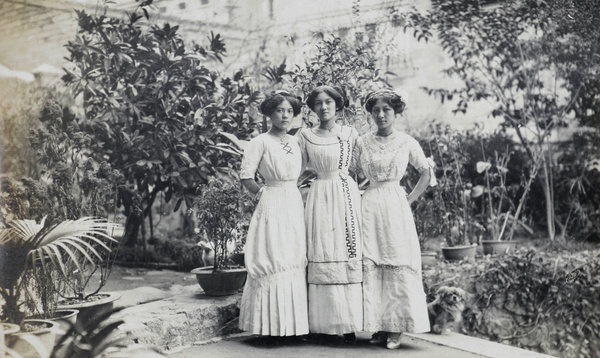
156,108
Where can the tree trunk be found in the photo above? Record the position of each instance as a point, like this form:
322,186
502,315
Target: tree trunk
134,216
549,200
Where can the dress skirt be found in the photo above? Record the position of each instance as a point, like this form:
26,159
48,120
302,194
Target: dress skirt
334,255
394,298
275,299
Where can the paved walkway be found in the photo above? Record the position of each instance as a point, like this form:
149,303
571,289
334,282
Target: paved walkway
244,346
169,310
413,346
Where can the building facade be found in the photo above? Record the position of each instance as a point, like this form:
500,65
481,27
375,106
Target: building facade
33,34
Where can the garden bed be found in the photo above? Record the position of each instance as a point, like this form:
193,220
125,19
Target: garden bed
544,300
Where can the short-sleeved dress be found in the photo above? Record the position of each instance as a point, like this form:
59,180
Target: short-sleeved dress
333,234
274,301
394,298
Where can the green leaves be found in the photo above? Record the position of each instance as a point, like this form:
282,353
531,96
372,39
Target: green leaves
158,106
223,214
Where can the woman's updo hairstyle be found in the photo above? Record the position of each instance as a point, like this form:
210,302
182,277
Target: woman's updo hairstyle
337,93
269,105
387,95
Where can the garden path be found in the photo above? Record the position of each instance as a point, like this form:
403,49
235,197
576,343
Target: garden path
150,294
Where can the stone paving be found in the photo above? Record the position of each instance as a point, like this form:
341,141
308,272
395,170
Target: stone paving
168,309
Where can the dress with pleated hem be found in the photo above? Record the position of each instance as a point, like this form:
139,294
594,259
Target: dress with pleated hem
275,301
394,298
333,234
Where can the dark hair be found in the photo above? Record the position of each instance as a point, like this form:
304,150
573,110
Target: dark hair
337,93
269,105
387,95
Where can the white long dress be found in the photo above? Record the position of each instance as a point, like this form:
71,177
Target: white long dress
394,298
333,234
275,299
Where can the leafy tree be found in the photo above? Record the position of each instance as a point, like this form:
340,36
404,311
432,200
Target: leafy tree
535,61
155,108
349,59
349,64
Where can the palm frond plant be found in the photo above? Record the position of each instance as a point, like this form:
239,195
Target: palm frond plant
45,249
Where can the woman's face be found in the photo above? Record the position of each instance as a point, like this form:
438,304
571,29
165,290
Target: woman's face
282,117
324,106
383,114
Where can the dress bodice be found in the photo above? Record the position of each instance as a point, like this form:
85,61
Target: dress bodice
329,154
387,161
274,159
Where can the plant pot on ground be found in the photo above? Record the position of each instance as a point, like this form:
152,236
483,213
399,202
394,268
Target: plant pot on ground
223,212
9,328
458,246
494,247
221,283
90,307
35,339
428,258
64,317
460,252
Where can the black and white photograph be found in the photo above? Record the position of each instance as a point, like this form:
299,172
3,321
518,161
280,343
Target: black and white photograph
299,178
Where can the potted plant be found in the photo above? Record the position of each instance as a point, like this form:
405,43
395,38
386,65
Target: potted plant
79,285
460,228
498,212
28,249
72,191
426,216
222,211
15,343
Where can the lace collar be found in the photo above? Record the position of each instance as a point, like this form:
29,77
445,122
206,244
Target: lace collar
399,140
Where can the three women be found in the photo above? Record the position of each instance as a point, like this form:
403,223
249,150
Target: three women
394,300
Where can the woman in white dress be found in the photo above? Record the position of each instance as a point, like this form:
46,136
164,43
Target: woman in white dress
332,221
274,301
394,298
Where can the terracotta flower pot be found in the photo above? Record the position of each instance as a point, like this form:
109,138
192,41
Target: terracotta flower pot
6,330
221,283
36,338
65,319
458,253
428,258
9,328
93,307
494,247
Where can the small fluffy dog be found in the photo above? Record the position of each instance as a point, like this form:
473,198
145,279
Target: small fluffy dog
447,308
